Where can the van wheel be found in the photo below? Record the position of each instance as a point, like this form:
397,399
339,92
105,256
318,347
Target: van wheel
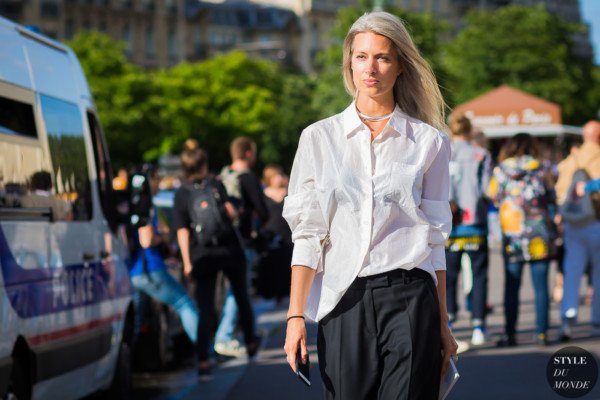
121,387
19,386
153,348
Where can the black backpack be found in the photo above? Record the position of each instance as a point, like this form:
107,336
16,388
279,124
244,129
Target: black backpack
579,211
209,220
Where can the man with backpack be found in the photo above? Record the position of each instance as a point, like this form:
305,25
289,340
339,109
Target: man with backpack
246,194
581,228
208,242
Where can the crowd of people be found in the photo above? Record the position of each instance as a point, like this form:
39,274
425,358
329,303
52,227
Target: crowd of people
228,223
544,215
380,198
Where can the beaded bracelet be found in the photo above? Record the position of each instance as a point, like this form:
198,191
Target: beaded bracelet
295,316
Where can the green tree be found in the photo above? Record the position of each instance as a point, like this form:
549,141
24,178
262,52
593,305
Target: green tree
214,101
146,114
121,92
330,96
525,47
294,113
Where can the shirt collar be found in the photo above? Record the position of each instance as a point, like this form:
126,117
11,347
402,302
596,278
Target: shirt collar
351,120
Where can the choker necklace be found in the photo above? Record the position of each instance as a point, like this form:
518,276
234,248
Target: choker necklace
376,118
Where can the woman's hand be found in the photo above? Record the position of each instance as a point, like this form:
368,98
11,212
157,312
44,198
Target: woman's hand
449,347
295,336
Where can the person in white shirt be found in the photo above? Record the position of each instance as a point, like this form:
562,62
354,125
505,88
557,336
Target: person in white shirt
369,213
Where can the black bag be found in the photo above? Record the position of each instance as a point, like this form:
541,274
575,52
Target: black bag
209,220
575,210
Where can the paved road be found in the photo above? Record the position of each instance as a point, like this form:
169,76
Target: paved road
487,372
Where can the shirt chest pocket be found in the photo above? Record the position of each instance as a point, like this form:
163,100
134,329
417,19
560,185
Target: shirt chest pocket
405,184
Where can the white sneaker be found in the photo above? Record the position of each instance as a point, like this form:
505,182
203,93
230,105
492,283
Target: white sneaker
478,337
231,348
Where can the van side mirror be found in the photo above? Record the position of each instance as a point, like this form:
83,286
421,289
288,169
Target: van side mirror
140,199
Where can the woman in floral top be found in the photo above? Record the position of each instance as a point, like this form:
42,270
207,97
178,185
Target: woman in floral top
522,188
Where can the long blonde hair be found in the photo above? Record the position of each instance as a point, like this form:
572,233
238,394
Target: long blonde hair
416,90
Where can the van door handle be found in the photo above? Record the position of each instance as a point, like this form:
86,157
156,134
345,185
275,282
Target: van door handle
88,256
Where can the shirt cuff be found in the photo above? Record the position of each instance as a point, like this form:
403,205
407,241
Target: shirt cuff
307,252
438,258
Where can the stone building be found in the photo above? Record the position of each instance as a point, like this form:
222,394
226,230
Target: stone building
160,33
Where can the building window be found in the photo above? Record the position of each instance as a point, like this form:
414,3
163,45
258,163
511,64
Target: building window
148,5
172,43
214,39
197,39
170,6
150,49
12,11
49,8
127,39
69,29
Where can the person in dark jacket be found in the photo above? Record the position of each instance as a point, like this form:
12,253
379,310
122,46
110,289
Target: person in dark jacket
204,261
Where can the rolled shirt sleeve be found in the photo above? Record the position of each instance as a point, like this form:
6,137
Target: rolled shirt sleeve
435,202
302,210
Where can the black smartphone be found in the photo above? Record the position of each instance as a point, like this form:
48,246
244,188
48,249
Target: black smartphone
302,369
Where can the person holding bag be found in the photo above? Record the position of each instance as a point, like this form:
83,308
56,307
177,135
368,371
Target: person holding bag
369,213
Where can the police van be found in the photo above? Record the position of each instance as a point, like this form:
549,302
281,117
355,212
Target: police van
66,313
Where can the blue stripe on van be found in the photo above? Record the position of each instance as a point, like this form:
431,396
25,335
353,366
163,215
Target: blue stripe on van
41,291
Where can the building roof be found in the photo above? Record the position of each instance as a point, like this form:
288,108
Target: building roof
505,110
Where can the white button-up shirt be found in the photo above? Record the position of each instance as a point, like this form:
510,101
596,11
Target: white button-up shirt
382,205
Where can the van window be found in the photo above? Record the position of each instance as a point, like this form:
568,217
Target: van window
103,171
20,157
64,127
16,118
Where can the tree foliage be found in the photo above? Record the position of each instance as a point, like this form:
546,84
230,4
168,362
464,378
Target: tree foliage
525,47
121,92
150,113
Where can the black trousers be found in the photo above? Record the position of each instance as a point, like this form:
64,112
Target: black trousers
382,340
205,269
479,268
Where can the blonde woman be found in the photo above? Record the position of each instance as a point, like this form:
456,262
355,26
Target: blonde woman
369,212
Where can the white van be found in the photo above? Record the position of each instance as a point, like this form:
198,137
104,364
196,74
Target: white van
66,313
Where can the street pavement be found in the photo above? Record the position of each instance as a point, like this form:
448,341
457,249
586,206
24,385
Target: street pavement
487,372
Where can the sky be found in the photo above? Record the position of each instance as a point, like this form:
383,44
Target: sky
590,10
